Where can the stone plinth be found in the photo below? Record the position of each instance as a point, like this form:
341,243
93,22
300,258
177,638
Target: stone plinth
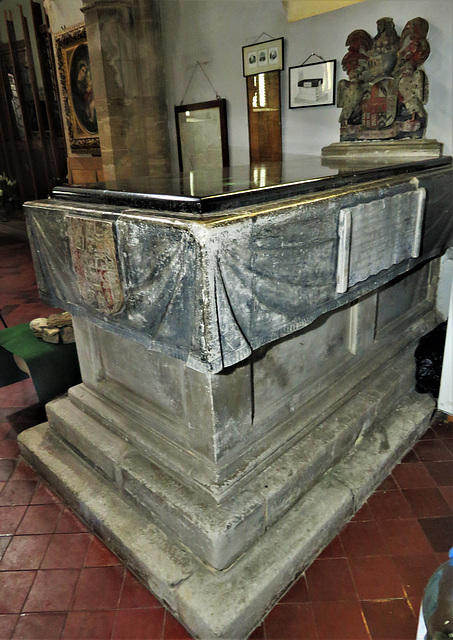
248,372
377,149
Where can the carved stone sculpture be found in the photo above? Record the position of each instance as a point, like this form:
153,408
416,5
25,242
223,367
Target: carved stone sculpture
384,97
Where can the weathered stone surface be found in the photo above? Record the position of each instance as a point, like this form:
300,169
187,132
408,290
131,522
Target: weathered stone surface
229,604
218,489
210,292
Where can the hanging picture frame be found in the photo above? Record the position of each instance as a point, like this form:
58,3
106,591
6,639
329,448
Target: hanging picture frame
202,135
76,83
262,56
312,85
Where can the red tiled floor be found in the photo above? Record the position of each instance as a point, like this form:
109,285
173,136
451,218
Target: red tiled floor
412,475
432,451
10,519
52,590
439,532
447,493
58,580
427,503
330,579
391,619
69,523
14,588
441,472
24,553
39,626
175,631
404,537
298,593
7,624
415,571
99,588
66,551
376,577
89,625
290,622
387,505
340,621
98,555
134,594
363,539
42,518
140,624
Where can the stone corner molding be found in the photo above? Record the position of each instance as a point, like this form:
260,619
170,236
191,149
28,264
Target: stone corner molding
88,5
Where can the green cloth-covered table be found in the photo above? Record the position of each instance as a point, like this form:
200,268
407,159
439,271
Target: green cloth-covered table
53,367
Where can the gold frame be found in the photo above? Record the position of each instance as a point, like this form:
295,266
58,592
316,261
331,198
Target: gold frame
72,53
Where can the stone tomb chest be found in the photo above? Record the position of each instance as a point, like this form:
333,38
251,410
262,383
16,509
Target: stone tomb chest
246,344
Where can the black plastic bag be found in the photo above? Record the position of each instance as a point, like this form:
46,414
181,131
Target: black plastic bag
429,355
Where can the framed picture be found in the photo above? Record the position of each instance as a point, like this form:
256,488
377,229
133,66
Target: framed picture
262,56
74,70
312,85
202,135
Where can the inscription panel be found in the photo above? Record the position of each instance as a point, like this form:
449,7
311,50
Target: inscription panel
375,235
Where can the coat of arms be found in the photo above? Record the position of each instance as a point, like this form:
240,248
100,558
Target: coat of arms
387,89
94,260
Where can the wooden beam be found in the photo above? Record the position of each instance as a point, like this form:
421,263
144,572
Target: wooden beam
49,98
36,100
20,94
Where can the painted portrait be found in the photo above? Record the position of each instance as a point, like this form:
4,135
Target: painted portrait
77,89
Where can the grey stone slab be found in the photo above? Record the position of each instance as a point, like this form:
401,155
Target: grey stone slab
376,453
210,292
229,604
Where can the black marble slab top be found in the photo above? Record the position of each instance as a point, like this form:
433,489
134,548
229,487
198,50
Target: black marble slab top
223,188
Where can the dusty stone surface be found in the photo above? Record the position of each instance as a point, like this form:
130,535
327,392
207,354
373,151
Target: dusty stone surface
229,604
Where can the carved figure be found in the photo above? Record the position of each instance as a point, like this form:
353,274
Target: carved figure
386,90
350,92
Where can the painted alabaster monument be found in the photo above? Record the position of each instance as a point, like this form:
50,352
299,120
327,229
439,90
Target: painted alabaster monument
383,101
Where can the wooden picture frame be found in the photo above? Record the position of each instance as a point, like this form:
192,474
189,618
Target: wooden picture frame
312,85
202,135
74,71
262,56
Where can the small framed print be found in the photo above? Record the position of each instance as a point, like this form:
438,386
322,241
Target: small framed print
262,56
312,85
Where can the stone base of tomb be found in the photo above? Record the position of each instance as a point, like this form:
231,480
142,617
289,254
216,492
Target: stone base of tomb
380,149
229,604
315,423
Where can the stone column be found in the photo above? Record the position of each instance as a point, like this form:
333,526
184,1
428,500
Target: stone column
125,43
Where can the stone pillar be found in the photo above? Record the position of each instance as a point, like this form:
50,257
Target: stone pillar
125,43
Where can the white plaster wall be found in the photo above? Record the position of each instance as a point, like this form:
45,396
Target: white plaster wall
214,32
63,14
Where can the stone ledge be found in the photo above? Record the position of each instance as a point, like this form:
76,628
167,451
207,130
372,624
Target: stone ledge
380,149
229,604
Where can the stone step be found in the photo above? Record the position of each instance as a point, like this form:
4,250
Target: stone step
219,533
229,604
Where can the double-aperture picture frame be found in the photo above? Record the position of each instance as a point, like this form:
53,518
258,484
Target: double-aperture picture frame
312,85
77,89
262,56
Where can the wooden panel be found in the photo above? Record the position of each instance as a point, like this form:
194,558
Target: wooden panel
264,110
85,169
